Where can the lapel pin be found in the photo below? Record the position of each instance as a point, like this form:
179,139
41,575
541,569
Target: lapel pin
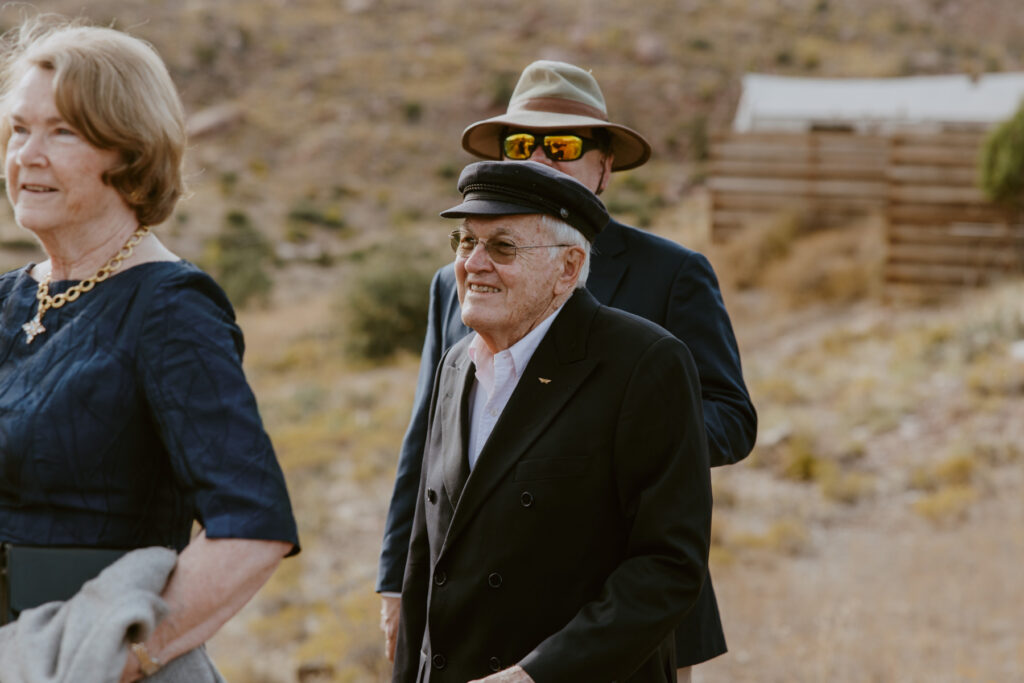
544,380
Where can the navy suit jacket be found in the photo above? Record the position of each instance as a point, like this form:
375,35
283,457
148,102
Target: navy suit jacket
648,276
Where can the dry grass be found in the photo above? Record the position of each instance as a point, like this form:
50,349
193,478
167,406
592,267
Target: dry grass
946,505
786,536
845,487
956,471
828,564
885,417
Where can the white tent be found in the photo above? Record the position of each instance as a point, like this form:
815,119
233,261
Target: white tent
876,105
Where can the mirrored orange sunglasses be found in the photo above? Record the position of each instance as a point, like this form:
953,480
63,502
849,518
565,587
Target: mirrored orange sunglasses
556,146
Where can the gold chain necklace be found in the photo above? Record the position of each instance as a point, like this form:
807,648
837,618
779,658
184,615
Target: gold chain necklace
34,327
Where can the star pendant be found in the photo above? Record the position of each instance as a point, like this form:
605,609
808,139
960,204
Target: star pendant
33,328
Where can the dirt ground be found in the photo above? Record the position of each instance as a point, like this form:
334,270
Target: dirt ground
881,595
874,590
897,579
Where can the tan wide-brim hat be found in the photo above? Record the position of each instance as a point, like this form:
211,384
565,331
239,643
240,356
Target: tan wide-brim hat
553,96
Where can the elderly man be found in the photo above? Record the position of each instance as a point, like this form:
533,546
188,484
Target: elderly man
563,518
557,116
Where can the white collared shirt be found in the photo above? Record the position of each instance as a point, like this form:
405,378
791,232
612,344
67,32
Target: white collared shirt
497,375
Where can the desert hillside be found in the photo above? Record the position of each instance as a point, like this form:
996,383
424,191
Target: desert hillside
877,531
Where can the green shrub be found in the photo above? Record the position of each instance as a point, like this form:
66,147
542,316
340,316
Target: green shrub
700,141
500,88
700,44
308,212
413,111
448,171
1002,162
800,462
227,182
239,258
24,244
385,306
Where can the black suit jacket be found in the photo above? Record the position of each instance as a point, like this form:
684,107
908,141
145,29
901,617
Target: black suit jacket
581,536
646,275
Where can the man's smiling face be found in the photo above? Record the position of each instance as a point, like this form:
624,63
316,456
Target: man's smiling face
503,302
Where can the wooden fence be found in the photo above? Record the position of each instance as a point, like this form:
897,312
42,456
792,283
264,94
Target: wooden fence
940,230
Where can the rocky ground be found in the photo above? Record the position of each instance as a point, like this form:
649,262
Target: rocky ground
875,534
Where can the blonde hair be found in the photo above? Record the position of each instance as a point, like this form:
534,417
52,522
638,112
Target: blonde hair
116,92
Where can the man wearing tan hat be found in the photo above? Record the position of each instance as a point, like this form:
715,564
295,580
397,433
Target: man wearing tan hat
557,116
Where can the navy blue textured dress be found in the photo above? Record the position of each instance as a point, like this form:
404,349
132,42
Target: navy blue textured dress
130,417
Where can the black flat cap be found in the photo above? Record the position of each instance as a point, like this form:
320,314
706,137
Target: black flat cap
506,188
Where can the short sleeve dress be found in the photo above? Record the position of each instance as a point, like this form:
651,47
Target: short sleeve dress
130,417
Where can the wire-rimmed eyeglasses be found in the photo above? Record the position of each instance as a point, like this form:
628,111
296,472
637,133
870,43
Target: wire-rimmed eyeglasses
501,251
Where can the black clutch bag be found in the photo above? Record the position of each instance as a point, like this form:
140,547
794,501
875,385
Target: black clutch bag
33,575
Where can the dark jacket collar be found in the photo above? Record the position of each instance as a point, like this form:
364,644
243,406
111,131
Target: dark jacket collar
608,262
612,240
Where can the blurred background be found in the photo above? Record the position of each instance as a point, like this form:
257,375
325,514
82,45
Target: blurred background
877,531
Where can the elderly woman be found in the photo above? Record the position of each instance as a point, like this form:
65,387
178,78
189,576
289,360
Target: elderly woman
124,412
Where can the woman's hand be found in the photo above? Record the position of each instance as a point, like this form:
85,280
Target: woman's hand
131,671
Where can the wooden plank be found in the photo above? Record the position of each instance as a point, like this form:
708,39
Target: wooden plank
723,232
978,230
838,139
965,143
918,273
939,156
955,233
918,212
796,168
966,230
941,139
798,187
932,175
816,137
810,213
803,143
790,154
959,255
936,194
739,200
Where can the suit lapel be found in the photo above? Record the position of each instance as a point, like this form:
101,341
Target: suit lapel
608,264
454,412
560,358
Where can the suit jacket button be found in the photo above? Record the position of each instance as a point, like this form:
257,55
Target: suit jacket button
431,496
440,578
526,500
495,664
439,661
494,580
